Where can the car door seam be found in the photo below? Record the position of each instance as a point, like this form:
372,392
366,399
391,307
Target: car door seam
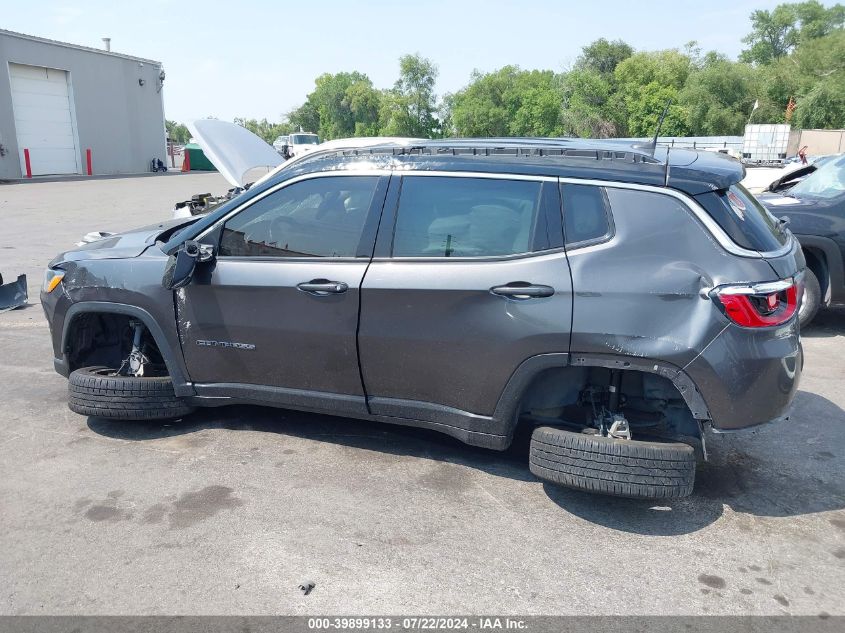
361,297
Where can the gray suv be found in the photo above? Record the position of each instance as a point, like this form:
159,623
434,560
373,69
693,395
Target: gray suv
615,302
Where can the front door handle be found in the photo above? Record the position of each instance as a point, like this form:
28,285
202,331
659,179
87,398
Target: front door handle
522,290
323,287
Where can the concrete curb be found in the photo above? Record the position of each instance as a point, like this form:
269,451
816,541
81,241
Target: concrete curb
76,177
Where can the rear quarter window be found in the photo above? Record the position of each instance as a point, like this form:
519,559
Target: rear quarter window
747,222
586,214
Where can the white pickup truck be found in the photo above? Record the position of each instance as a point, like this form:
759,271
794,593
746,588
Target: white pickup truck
301,142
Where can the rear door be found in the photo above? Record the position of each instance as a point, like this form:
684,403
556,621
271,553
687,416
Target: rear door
276,316
470,279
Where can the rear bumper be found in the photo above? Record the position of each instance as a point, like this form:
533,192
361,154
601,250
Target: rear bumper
749,377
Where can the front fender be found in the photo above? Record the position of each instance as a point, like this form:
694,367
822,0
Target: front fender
172,356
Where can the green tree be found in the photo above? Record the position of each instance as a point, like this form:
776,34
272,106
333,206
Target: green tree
645,112
305,117
364,104
264,129
819,66
177,132
816,20
646,81
822,107
776,33
591,106
342,105
508,102
718,97
668,68
409,108
603,56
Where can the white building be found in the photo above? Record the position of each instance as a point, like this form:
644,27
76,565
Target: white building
61,103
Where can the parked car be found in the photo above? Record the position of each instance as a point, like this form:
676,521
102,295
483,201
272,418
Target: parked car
815,208
793,177
614,302
282,145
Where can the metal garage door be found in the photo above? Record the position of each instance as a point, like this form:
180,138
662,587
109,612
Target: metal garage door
44,119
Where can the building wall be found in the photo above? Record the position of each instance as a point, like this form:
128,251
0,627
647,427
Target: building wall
822,142
121,121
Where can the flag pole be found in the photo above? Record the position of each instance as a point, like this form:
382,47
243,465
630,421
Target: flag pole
756,105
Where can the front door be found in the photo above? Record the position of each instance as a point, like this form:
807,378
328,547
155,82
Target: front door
275,318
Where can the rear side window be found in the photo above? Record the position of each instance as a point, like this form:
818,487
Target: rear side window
748,223
586,214
320,217
465,217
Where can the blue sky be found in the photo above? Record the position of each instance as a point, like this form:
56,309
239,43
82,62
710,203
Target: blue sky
259,58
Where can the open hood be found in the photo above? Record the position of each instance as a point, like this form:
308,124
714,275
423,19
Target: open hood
233,149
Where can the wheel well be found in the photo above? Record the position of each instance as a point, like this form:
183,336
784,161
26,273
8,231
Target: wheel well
573,396
817,262
103,338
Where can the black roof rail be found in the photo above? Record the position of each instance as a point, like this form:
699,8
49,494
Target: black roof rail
518,150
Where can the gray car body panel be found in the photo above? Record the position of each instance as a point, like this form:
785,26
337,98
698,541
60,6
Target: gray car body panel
120,286
432,346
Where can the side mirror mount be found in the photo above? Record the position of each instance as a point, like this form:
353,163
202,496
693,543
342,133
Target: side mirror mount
205,253
180,267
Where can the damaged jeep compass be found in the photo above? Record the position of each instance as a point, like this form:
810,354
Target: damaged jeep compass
616,302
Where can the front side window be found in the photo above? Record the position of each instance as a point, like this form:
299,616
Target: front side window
320,217
586,217
465,217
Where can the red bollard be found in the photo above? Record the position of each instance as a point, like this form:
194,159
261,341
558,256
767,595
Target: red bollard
28,165
88,158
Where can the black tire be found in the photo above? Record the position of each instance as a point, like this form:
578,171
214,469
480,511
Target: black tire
623,468
812,299
97,392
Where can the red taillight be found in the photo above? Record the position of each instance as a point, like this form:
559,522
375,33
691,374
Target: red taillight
759,305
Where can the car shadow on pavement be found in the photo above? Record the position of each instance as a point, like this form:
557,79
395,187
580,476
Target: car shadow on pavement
789,468
350,432
829,322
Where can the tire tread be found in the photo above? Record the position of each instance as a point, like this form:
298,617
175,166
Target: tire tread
123,397
625,468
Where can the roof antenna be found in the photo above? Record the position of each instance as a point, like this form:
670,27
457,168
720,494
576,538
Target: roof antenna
660,125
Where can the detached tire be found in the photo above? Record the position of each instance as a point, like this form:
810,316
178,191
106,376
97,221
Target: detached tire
96,391
812,300
623,468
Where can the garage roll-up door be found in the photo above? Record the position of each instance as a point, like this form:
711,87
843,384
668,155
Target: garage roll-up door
44,119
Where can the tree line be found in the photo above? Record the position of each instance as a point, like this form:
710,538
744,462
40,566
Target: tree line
792,70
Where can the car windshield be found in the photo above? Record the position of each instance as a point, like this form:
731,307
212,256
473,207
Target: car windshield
304,139
828,181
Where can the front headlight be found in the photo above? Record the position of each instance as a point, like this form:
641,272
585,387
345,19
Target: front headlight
52,278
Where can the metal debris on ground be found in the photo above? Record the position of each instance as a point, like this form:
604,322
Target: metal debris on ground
306,586
13,295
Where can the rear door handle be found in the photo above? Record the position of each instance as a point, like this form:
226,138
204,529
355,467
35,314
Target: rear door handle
522,290
323,287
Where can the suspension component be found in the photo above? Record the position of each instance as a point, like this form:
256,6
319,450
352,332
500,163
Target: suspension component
137,360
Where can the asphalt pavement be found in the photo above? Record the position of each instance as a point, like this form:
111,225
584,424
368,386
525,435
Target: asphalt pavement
228,510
